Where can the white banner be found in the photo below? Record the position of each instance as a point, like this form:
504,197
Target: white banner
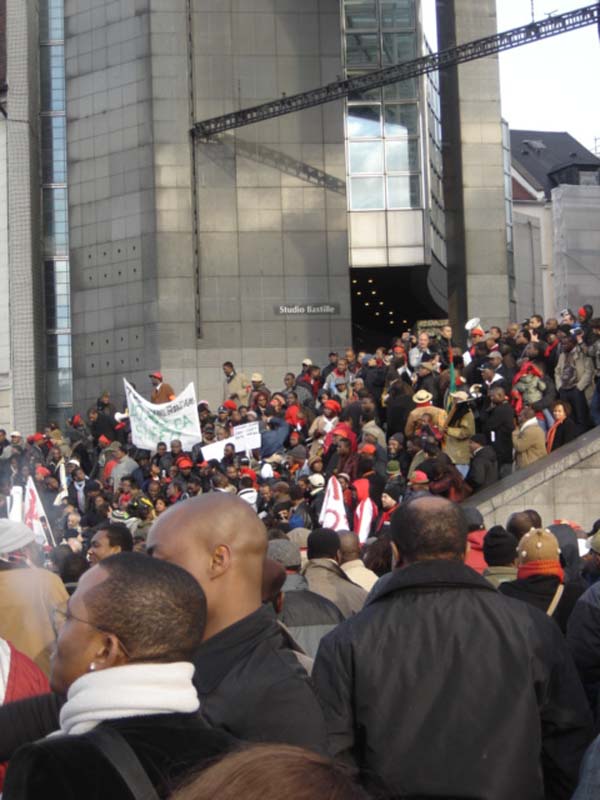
333,513
247,437
161,422
216,450
363,519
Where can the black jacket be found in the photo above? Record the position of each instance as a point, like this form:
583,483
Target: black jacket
307,615
566,432
483,470
583,638
249,682
498,424
71,767
539,590
251,685
440,686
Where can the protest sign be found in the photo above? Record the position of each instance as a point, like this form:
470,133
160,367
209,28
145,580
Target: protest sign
216,449
161,422
247,437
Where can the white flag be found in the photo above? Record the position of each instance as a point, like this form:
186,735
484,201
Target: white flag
363,519
333,513
15,509
34,515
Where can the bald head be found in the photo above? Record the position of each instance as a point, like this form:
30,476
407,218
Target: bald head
429,528
349,546
218,539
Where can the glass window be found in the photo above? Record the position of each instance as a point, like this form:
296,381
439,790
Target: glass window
364,121
54,150
403,191
59,387
52,17
402,156
401,120
52,72
367,193
404,90
398,47
368,96
366,156
55,221
362,49
361,15
397,14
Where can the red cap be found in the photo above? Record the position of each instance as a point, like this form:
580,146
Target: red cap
340,431
103,440
582,312
230,404
333,405
184,463
477,332
419,477
77,420
203,464
369,449
157,375
42,472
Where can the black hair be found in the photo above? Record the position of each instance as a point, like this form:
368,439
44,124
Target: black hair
296,492
227,364
118,535
426,529
156,609
323,543
246,482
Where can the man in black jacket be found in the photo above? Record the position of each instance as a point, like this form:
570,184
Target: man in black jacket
498,424
442,687
483,470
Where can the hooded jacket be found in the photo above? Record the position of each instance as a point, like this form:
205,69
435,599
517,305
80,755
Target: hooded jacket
420,676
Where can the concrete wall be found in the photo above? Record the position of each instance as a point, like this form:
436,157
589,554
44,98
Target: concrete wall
564,485
22,205
180,274
529,288
576,217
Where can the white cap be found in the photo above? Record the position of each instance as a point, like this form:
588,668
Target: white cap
14,535
15,433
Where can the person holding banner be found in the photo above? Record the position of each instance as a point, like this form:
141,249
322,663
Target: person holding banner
162,392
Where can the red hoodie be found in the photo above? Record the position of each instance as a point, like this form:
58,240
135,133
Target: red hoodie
474,558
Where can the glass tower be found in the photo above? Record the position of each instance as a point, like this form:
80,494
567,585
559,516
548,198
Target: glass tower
55,234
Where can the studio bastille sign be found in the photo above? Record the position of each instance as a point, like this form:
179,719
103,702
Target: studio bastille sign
306,309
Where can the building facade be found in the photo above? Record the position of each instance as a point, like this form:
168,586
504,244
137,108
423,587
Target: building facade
283,239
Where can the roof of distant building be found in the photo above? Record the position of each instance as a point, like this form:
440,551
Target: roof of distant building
538,154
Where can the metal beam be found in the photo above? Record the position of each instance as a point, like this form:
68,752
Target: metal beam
480,48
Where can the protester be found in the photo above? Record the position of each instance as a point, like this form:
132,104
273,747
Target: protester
109,539
123,659
506,660
500,554
326,577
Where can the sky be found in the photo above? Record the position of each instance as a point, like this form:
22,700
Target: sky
553,85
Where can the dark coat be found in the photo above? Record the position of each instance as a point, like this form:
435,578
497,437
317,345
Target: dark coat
307,615
498,425
251,685
539,591
71,768
583,638
483,470
398,409
566,432
416,692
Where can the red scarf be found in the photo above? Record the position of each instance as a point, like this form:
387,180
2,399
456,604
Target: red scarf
551,435
548,567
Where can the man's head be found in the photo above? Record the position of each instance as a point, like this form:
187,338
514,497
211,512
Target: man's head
429,528
349,547
323,543
219,539
476,442
108,541
446,331
156,378
500,547
228,368
568,344
520,522
130,608
498,396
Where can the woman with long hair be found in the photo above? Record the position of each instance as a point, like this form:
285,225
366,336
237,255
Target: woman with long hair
565,429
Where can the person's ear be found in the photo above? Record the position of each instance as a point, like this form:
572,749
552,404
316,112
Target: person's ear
338,556
396,557
220,561
278,603
110,653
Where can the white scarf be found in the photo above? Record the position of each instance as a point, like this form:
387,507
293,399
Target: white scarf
133,690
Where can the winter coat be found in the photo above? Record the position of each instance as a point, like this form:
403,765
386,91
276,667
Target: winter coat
531,388
498,424
566,432
307,615
326,577
373,428
498,575
457,438
583,638
438,414
483,471
274,437
475,558
238,386
530,445
584,369
167,745
433,647
539,590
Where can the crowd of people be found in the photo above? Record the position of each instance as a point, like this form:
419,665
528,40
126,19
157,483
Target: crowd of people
190,628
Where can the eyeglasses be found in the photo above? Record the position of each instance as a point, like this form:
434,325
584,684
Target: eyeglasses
60,616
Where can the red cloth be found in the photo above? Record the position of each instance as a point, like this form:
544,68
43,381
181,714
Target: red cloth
291,415
547,567
25,679
474,558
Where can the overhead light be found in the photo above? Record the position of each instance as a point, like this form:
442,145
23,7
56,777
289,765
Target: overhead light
377,313
367,303
390,312
359,293
354,281
370,280
381,302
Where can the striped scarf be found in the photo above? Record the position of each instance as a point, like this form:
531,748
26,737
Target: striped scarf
547,567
